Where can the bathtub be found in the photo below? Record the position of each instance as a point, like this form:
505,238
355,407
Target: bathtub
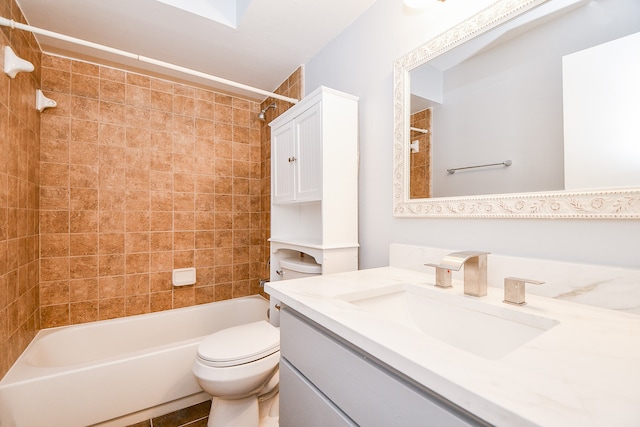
91,373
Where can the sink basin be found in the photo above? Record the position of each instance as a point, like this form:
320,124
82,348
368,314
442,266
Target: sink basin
464,322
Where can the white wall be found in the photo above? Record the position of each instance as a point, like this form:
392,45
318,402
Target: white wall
506,102
502,104
359,61
610,109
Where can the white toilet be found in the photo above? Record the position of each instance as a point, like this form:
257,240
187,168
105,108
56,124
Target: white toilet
238,366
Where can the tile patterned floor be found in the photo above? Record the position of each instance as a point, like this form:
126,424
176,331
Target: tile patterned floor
193,416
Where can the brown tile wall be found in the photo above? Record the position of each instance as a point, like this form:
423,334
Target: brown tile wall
140,176
19,176
129,177
420,174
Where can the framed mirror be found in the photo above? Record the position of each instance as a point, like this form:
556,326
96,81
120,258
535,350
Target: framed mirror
491,124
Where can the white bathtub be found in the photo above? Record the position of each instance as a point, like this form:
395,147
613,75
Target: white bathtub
87,374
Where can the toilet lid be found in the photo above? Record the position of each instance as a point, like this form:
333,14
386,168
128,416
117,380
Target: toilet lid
240,344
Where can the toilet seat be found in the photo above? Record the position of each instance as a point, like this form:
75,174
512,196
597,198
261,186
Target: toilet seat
239,344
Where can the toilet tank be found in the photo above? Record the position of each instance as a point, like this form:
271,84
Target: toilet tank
296,267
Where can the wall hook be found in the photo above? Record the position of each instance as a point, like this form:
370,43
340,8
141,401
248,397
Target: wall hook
42,102
13,64
415,146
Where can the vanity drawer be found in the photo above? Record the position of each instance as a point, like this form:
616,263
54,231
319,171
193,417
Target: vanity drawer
311,408
367,391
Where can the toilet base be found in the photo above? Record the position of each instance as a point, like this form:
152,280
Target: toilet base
237,412
270,411
247,412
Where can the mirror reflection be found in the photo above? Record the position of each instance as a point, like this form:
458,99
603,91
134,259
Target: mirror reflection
544,102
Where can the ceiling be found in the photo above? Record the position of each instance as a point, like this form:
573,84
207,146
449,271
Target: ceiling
271,39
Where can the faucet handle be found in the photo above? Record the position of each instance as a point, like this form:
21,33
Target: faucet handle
443,276
514,290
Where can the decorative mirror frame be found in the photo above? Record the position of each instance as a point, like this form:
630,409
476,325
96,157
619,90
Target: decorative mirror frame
615,203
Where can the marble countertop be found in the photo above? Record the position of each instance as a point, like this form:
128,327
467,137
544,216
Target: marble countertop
585,371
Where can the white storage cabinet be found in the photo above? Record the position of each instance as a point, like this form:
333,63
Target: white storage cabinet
314,182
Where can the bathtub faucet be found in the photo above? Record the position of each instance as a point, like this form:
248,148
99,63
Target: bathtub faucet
475,271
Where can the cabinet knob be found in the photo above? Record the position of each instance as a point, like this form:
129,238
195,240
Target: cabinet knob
292,159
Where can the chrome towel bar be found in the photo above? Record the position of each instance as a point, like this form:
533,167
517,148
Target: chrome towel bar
505,163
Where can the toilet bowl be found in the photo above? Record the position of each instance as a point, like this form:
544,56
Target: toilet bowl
237,366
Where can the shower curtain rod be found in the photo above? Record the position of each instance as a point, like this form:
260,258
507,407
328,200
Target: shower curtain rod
13,24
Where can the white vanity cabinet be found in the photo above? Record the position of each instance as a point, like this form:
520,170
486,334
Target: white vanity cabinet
314,182
325,380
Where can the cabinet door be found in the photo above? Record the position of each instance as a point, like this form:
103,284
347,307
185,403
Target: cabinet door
283,163
309,154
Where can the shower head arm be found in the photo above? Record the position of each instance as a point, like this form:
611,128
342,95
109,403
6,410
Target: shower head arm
262,116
